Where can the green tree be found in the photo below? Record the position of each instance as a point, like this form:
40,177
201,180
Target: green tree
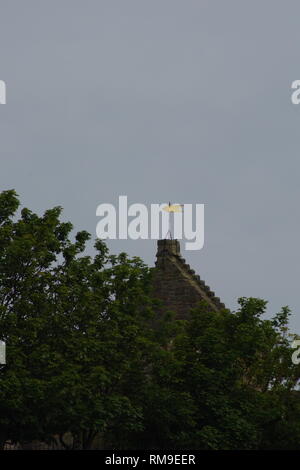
88,356
238,370
78,331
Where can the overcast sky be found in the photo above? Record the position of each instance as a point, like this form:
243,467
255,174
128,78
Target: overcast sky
181,100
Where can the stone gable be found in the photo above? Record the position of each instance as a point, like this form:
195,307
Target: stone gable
176,284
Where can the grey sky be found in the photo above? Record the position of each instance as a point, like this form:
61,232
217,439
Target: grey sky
161,100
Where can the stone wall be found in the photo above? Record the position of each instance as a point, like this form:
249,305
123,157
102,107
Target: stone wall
176,284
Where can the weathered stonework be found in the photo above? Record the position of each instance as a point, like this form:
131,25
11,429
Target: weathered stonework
176,284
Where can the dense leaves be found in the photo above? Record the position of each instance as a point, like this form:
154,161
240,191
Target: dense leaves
89,361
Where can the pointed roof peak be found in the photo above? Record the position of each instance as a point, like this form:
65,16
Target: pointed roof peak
176,283
168,246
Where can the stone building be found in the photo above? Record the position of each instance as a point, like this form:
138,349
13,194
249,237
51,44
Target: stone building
176,284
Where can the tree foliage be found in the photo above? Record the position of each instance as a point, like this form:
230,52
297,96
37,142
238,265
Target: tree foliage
88,356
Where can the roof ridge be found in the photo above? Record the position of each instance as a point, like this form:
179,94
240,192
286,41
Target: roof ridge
201,283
